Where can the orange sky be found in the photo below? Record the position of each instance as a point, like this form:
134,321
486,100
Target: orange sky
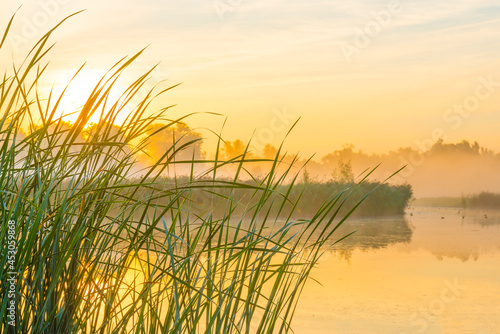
264,64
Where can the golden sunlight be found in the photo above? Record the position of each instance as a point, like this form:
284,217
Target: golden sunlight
74,92
230,166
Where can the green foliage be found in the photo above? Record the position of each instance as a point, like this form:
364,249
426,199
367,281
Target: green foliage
99,252
384,199
308,195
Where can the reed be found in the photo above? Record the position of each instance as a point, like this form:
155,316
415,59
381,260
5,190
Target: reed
483,200
99,251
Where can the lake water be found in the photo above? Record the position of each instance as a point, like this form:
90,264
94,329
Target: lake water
432,271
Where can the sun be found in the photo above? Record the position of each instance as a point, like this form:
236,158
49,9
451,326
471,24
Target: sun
75,92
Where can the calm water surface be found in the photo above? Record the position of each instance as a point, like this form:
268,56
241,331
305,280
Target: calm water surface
433,271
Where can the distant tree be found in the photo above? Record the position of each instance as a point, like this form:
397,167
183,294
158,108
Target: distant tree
306,177
269,151
343,173
233,149
163,140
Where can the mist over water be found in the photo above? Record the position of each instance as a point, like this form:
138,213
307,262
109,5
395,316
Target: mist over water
122,215
431,271
441,169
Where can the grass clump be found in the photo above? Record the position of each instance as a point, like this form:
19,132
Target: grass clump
483,200
101,252
384,200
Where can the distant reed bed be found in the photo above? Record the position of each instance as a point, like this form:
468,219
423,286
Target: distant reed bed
483,200
384,200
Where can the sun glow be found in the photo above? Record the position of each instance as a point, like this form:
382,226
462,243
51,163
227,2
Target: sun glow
75,93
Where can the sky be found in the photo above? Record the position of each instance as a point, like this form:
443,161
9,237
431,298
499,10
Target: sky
376,74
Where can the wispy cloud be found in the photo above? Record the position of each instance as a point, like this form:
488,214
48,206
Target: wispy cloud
287,53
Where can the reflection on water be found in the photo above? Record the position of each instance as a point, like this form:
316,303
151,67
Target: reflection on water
445,233
432,271
372,234
436,271
483,218
456,234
